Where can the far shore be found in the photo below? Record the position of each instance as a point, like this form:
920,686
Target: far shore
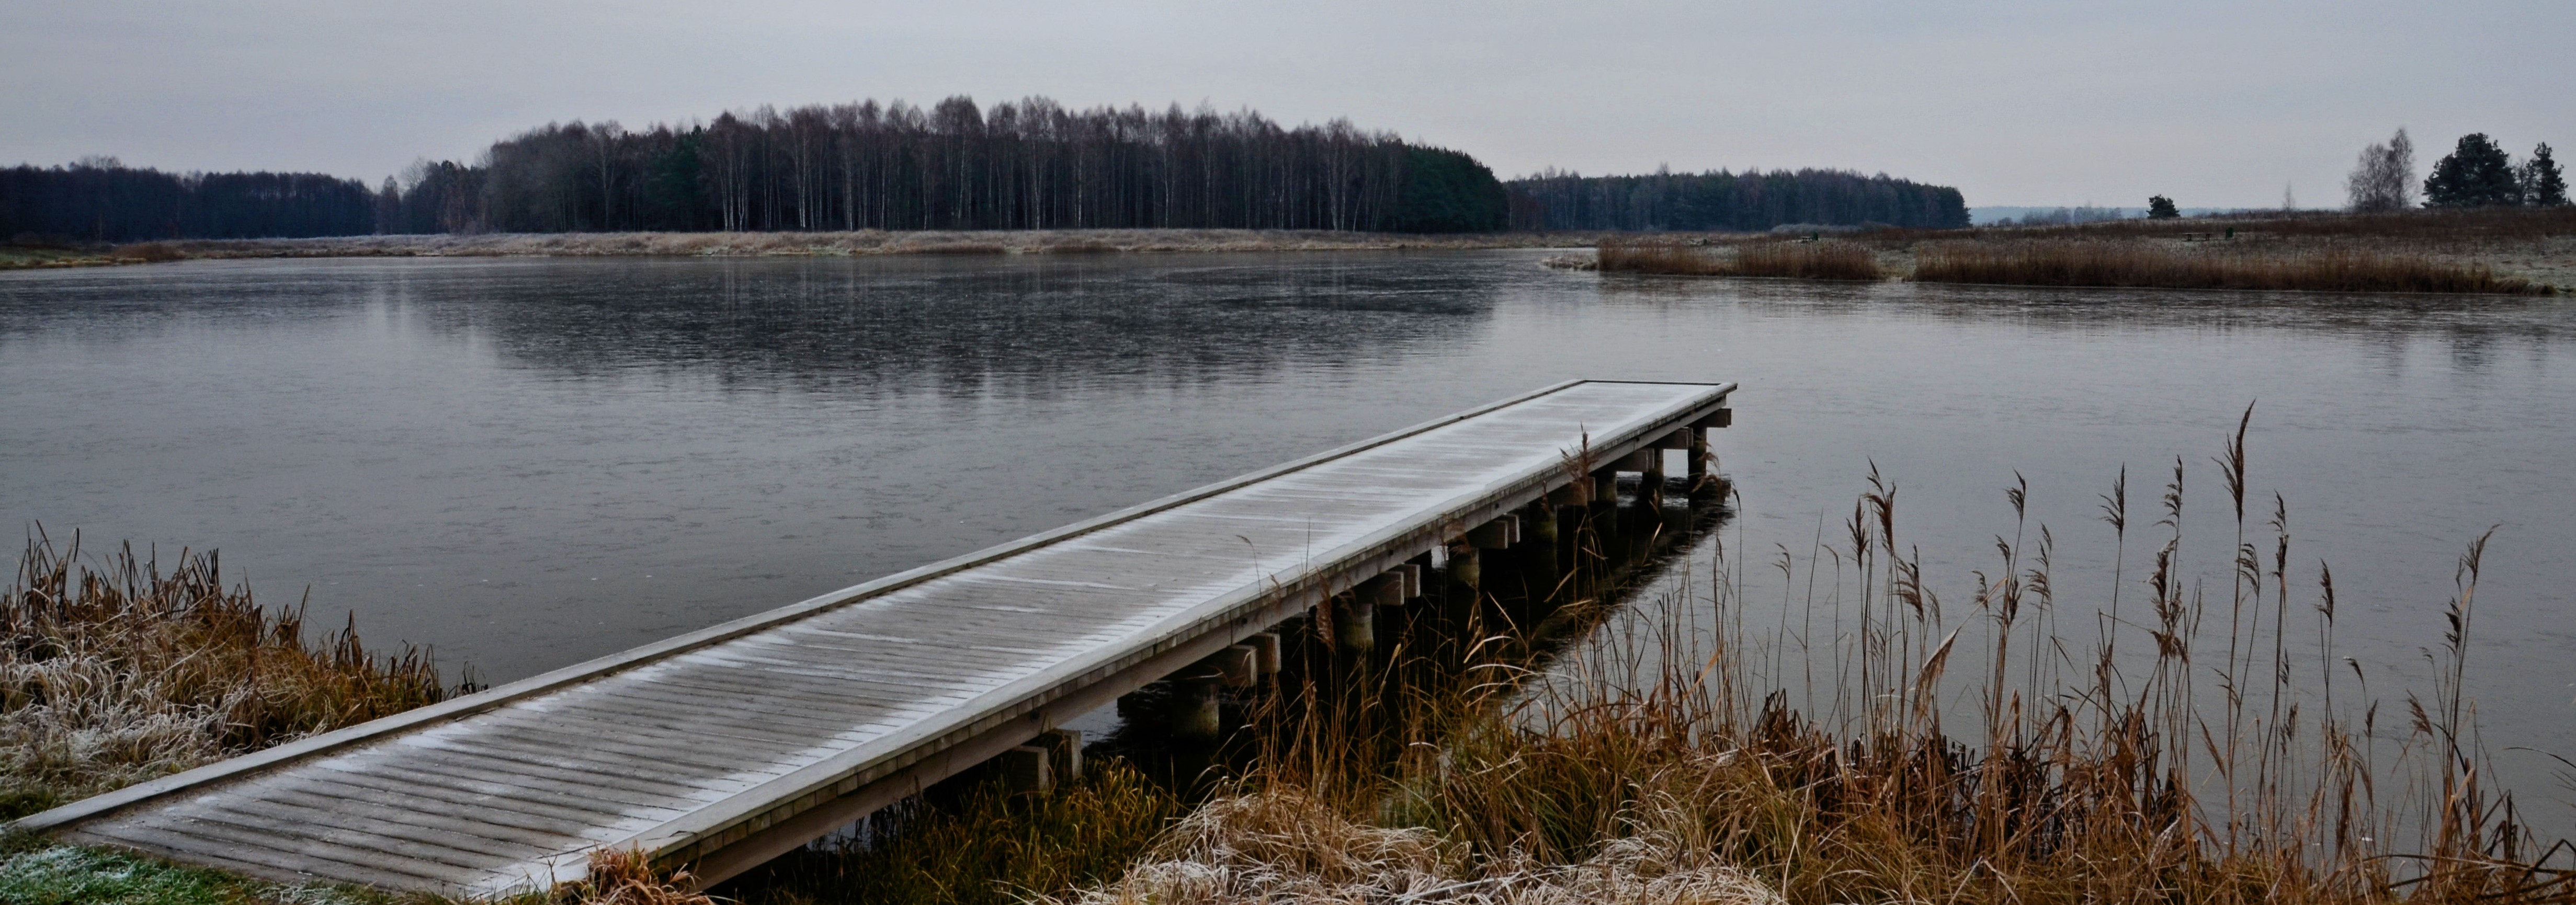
2534,246
780,244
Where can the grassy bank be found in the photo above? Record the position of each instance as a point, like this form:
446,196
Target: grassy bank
116,672
35,257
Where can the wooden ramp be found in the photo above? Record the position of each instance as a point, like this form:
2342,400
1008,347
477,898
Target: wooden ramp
730,745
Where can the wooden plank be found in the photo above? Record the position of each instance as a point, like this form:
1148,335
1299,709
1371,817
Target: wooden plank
673,762
508,805
290,815
744,725
521,758
494,816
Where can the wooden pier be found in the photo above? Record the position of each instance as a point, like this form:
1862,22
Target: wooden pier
728,746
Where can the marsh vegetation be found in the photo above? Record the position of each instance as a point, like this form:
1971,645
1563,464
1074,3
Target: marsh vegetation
2517,251
115,672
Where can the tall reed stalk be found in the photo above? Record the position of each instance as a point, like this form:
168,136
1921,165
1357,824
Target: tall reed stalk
1668,749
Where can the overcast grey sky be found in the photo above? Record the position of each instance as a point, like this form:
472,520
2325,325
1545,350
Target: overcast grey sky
2213,103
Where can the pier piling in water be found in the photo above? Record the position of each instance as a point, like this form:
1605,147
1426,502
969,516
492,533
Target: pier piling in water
1195,715
1354,624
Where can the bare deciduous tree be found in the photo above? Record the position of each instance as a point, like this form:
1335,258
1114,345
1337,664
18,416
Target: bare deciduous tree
2384,179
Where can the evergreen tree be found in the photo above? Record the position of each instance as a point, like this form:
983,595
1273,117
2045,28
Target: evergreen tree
1448,192
2162,208
2542,183
2475,174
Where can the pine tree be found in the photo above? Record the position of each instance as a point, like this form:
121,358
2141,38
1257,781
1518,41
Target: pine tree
2160,207
2542,183
2475,174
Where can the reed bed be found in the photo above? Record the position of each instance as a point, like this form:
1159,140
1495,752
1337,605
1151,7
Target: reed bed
1963,751
2433,225
1825,260
115,672
2146,265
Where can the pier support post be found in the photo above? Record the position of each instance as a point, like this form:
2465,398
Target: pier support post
1236,666
1698,473
1650,484
1467,568
1354,623
1026,770
1538,557
1265,652
1194,707
1701,458
1603,514
1066,747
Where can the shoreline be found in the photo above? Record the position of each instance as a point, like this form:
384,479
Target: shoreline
783,244
2534,246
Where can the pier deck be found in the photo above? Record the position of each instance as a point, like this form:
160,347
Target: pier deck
727,746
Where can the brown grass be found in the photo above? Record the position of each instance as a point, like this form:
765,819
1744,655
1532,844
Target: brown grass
2140,264
627,877
2172,760
146,253
2480,224
114,672
993,848
1282,845
1826,260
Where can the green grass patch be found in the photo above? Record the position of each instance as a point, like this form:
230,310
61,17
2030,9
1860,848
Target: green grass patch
19,257
33,872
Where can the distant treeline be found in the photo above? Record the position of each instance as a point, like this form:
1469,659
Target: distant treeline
953,166
1723,201
1026,165
102,200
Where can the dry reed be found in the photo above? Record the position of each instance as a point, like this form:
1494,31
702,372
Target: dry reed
1826,260
2176,763
627,877
114,672
2138,264
991,848
146,253
1282,845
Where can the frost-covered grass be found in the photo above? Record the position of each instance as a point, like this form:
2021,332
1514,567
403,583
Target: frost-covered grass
35,873
113,672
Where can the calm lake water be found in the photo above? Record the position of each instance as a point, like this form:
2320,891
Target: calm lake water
526,463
